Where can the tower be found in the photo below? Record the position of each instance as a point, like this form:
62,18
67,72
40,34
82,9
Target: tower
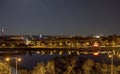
2,31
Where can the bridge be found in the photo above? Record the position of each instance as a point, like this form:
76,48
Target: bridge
10,44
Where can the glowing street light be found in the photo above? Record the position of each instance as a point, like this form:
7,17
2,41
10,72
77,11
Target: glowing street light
7,59
110,56
16,60
19,59
112,59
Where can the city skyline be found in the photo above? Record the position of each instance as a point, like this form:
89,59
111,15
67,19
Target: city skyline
61,17
52,36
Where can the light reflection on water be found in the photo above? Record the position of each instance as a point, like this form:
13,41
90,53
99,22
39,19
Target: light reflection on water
30,61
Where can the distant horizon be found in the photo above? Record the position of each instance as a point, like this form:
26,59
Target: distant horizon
63,34
57,34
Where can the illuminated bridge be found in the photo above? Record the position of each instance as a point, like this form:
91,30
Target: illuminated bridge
58,44
59,50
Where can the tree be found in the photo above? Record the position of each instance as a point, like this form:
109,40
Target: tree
105,69
50,67
97,68
39,69
87,66
4,68
24,71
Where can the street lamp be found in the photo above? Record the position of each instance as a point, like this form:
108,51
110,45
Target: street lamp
112,60
16,61
113,53
111,56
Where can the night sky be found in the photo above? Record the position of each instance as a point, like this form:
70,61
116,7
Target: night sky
60,17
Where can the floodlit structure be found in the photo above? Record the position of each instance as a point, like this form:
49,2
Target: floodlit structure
2,31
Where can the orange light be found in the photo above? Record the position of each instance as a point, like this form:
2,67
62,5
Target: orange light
95,44
110,56
19,59
7,59
96,53
119,55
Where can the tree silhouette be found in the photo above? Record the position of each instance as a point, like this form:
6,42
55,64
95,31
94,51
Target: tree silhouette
87,66
39,69
24,71
4,68
50,68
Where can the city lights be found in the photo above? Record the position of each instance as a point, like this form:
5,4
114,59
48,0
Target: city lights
95,44
96,53
60,45
119,55
59,36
